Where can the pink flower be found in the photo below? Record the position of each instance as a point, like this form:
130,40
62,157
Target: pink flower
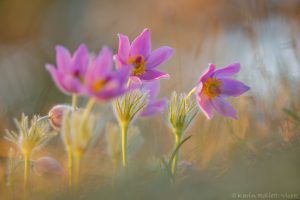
215,86
154,106
70,71
138,54
102,81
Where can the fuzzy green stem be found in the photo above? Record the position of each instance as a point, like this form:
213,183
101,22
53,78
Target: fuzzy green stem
26,169
88,109
70,167
74,102
124,129
78,157
178,134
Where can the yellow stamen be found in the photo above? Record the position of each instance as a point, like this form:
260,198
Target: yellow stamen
212,87
139,64
98,85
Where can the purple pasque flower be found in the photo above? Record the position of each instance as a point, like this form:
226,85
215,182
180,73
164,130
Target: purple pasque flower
154,106
139,55
215,86
102,81
70,71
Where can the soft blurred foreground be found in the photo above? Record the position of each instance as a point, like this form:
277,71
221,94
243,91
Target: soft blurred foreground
257,154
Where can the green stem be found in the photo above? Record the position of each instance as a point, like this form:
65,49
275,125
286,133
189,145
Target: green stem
78,157
74,102
88,109
124,129
26,169
70,167
177,142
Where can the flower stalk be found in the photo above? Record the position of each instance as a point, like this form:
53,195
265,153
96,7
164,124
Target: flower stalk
77,158
127,108
178,134
124,129
26,168
74,102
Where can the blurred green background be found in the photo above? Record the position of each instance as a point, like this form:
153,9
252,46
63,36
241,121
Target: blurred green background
259,152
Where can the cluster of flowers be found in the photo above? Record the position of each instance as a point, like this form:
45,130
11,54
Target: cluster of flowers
134,86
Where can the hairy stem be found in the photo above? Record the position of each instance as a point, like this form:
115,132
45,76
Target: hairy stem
88,109
124,129
178,134
26,169
70,167
78,157
74,102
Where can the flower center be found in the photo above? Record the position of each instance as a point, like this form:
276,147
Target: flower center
212,87
78,75
98,85
139,65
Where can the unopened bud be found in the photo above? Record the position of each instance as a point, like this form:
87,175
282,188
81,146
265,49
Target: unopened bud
49,167
56,115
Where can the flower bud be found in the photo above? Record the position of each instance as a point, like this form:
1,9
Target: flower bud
56,114
47,166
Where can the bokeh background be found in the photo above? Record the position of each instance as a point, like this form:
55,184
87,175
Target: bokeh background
260,152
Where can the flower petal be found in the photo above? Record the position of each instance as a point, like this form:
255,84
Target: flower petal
208,73
57,78
159,57
153,75
205,105
142,44
124,47
231,87
103,62
81,58
228,70
224,108
63,58
154,108
152,88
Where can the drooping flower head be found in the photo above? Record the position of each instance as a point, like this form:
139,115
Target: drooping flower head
139,55
69,74
215,86
56,115
102,81
154,105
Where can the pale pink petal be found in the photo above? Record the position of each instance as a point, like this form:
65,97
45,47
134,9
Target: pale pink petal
119,61
231,87
208,73
159,57
81,58
124,47
224,108
152,88
153,75
154,108
63,58
205,105
57,78
103,63
228,70
142,44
